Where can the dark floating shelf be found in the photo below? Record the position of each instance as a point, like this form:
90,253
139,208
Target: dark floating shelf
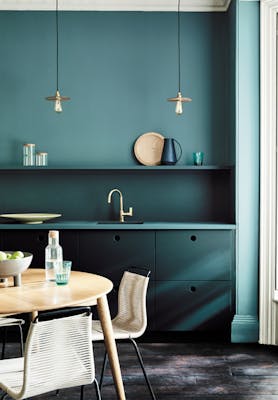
95,169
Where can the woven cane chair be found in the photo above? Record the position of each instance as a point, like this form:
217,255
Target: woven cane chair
58,354
11,322
131,320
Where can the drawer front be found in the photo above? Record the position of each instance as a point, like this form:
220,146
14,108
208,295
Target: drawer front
110,253
195,305
194,255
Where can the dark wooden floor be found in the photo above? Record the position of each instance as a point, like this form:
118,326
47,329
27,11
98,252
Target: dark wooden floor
203,370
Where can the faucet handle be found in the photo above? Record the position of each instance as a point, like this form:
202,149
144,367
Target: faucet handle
130,212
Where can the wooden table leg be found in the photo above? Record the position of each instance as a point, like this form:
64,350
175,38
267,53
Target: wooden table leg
110,344
34,315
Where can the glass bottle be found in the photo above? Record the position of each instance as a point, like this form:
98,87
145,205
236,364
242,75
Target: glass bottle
53,256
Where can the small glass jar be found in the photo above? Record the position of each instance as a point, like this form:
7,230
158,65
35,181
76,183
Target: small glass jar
28,154
41,159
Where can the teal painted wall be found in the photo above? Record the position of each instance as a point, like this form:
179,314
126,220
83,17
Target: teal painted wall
119,68
245,324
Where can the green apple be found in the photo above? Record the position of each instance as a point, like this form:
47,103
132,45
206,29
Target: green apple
8,256
3,256
17,254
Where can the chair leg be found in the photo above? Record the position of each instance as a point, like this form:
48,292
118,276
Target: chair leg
103,369
4,339
4,395
143,368
21,340
97,389
82,392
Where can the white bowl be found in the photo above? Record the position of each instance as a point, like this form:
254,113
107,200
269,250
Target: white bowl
15,266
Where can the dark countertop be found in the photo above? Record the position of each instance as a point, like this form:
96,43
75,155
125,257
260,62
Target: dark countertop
94,225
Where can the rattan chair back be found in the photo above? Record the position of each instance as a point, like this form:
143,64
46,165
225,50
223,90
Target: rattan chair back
58,354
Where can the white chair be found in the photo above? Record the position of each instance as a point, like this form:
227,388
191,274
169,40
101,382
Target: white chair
11,322
131,319
58,354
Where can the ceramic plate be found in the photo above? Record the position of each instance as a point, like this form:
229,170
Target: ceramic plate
148,148
34,218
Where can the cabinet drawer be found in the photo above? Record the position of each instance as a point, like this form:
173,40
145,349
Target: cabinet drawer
194,305
110,253
194,255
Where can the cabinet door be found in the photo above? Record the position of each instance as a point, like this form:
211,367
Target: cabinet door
35,241
193,305
194,255
110,253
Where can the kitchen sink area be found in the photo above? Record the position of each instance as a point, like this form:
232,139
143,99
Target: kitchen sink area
119,222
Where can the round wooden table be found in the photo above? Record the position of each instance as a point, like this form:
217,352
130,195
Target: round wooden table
36,294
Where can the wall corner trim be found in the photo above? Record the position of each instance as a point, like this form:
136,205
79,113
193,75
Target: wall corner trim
245,329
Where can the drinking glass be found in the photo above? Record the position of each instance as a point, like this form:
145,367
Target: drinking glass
198,158
62,274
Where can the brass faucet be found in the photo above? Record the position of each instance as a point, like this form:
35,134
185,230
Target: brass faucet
122,212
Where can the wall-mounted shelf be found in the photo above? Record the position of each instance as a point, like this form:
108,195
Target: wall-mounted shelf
92,169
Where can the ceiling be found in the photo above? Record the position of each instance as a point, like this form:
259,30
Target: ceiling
113,5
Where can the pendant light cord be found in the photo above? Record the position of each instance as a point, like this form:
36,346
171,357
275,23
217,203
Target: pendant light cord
179,47
57,47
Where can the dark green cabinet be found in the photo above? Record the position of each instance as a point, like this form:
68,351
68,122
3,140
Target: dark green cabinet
192,271
110,253
193,305
194,280
190,255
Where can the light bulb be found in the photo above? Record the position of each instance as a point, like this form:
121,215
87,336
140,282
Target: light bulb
58,106
178,107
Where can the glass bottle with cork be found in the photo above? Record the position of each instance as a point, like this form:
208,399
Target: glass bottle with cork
53,256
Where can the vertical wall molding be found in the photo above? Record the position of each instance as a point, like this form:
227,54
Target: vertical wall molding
268,173
245,325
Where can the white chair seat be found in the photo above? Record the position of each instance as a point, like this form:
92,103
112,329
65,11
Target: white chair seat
11,373
11,365
119,329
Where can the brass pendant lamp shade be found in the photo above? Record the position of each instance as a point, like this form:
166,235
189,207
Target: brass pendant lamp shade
179,99
57,98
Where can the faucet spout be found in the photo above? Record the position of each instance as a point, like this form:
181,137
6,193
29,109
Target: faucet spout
122,212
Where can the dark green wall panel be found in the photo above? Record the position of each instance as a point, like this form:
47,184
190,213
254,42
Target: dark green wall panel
155,196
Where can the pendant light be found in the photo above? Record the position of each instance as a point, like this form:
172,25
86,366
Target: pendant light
179,99
57,98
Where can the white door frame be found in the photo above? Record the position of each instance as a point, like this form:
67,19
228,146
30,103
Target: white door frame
268,175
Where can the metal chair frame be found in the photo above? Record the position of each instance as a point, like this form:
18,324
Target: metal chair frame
11,322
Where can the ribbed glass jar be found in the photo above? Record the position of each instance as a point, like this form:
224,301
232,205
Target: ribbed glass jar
28,154
41,159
